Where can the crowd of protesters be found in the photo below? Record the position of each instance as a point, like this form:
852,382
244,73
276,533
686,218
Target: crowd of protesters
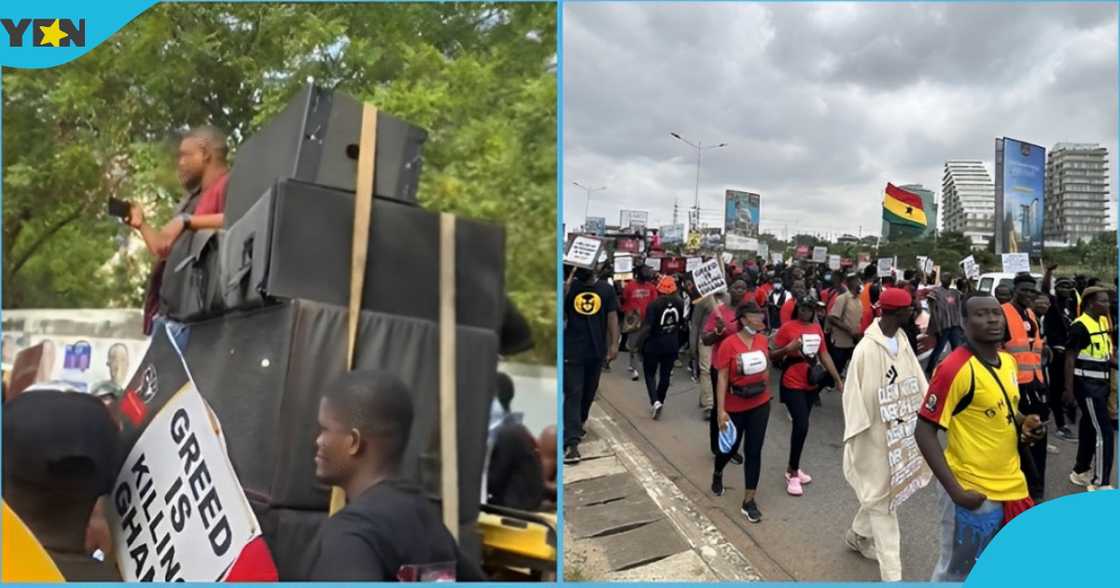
991,370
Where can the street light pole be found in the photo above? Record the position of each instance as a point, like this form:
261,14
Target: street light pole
694,214
587,201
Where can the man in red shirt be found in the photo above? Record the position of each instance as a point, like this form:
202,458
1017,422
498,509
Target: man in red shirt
636,297
204,173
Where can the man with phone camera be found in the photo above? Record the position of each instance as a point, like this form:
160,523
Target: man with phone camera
203,172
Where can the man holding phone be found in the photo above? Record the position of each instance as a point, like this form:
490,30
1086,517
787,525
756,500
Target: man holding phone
204,173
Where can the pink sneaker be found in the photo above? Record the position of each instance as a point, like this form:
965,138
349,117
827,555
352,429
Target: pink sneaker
793,485
805,478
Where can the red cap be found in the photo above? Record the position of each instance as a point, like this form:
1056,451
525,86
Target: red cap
894,298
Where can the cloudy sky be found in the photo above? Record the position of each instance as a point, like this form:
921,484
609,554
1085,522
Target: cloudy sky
820,105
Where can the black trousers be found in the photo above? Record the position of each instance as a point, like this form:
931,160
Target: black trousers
581,382
1057,372
750,428
1096,442
713,423
658,370
840,357
1033,400
800,405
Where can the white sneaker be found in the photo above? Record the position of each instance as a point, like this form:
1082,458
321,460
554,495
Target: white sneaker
1083,479
1051,449
1094,487
655,410
634,374
864,545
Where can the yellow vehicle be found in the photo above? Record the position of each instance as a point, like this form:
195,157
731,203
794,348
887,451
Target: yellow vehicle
517,545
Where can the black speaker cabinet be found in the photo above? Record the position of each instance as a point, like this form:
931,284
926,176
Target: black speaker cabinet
295,243
315,138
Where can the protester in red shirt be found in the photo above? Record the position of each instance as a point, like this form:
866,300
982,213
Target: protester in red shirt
798,346
204,173
797,291
636,297
744,399
720,325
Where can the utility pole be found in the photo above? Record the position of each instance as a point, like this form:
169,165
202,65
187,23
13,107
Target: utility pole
587,202
694,213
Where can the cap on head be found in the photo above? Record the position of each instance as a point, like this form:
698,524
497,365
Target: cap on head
1024,279
667,285
894,299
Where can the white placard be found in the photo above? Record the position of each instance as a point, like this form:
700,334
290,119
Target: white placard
583,252
734,242
776,258
709,278
834,262
898,408
177,500
885,265
727,258
970,268
752,362
810,344
763,249
820,254
654,263
1014,263
927,267
623,263
691,263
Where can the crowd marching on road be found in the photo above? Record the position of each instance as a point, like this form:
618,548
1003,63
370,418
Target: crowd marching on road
938,381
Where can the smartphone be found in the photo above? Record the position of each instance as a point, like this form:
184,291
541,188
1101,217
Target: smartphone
119,208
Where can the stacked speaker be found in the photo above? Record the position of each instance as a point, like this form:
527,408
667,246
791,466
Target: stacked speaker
266,299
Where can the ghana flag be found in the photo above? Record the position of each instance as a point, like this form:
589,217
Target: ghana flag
903,208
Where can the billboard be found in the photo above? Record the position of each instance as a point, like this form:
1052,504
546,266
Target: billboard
672,234
629,218
1020,181
741,214
596,225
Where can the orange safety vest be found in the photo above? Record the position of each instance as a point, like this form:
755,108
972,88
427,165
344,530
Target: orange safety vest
1027,351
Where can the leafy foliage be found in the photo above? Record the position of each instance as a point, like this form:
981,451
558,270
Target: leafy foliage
479,77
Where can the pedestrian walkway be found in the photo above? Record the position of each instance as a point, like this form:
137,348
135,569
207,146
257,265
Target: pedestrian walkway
625,521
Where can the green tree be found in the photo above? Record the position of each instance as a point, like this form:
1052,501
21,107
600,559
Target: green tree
479,77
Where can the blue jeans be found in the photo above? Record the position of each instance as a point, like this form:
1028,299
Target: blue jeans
180,333
954,336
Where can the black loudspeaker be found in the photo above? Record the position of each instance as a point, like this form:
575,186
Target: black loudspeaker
295,243
263,372
315,138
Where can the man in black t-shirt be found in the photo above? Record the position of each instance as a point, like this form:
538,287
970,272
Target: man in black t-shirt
664,317
591,336
1056,325
388,531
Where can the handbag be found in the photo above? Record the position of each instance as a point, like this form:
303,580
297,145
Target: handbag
818,374
749,390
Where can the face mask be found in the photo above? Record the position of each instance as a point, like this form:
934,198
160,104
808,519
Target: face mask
750,330
778,286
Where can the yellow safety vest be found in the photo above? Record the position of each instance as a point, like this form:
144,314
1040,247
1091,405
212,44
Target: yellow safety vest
1093,361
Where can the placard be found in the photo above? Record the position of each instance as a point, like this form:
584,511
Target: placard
927,268
970,268
776,258
834,262
672,234
596,225
692,263
810,344
898,408
653,263
623,263
885,265
1014,263
583,252
734,242
709,278
177,511
763,249
727,258
820,254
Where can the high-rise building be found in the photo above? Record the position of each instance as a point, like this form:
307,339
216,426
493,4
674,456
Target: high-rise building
968,200
1076,192
929,206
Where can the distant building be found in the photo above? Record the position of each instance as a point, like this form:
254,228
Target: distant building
847,239
1076,192
929,206
968,200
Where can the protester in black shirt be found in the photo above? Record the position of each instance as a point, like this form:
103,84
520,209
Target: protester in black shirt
60,454
663,321
513,477
388,531
591,335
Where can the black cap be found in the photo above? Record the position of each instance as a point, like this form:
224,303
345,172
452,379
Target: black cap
1025,278
809,300
60,440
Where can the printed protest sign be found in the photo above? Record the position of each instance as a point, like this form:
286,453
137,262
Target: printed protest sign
654,263
802,251
763,249
727,258
927,267
177,510
692,263
833,262
885,265
898,408
596,225
583,252
709,278
672,234
820,254
623,263
776,258
735,242
970,268
1014,263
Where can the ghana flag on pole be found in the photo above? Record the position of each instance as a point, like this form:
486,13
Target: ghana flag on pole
903,208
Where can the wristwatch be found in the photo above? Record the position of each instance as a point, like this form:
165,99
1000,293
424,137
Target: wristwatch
186,218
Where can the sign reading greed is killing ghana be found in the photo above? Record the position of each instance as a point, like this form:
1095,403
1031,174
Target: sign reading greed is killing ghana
178,512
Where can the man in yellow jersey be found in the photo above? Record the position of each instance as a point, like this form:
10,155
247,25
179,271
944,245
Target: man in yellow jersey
974,396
